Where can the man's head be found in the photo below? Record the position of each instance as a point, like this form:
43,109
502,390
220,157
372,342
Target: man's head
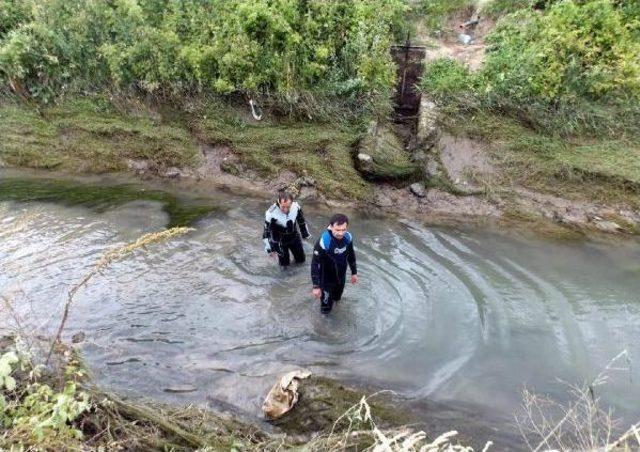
338,225
285,199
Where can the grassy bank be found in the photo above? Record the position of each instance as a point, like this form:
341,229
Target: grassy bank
605,170
89,135
94,134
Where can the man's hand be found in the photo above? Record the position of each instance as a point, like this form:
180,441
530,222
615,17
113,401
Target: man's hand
272,254
354,279
317,292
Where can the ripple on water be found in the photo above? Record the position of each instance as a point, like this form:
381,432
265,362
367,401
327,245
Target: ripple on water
464,315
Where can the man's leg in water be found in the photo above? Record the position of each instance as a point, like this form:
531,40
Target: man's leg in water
336,292
326,301
297,250
283,255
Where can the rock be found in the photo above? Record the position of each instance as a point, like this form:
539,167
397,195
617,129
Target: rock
381,154
284,394
426,129
465,38
418,189
172,173
180,389
78,337
305,181
433,169
608,226
229,167
307,193
138,166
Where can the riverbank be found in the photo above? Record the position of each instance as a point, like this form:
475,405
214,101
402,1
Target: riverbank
467,172
52,404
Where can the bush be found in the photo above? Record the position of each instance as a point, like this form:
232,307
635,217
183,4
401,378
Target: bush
572,51
436,12
252,46
29,60
12,14
497,8
570,70
446,78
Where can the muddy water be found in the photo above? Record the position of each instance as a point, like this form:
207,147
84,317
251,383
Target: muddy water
454,315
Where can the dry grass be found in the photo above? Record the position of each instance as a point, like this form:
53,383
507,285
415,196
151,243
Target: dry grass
362,433
581,424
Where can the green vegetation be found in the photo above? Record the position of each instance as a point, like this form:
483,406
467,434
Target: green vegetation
558,96
56,408
572,70
181,212
89,135
163,47
602,170
35,411
435,13
499,8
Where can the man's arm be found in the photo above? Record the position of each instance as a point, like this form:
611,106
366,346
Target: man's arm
316,265
304,230
351,259
266,234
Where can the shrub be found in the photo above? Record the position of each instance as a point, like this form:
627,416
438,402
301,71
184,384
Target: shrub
252,46
572,51
445,78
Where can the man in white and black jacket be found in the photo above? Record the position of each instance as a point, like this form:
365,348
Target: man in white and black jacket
281,234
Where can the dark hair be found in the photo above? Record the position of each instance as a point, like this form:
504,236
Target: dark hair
338,218
285,194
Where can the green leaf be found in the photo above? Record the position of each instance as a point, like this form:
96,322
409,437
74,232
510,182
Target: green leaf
10,357
10,383
5,368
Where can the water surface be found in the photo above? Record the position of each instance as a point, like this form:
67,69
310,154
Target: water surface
467,316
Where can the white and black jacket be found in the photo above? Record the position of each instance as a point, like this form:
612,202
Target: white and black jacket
282,228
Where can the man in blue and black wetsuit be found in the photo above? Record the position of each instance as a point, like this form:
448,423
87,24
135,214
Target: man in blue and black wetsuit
281,233
331,254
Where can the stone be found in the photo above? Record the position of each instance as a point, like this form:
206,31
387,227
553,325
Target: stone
608,226
229,167
432,169
138,166
364,158
180,389
78,337
418,189
305,181
172,173
426,129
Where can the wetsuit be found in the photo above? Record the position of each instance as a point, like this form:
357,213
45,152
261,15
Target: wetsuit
281,233
329,267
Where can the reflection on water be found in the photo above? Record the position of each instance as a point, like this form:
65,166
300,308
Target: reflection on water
468,316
